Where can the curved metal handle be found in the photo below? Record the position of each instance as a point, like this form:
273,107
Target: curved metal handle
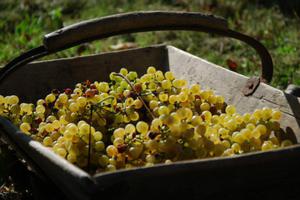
140,22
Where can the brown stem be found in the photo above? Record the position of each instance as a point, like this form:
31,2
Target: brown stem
90,139
138,95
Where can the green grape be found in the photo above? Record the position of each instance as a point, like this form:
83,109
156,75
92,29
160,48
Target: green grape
142,127
98,136
110,167
166,84
163,97
47,141
129,129
72,158
169,76
262,129
204,106
25,127
195,89
276,115
163,110
13,100
2,99
132,76
111,151
207,116
103,160
84,129
137,104
123,71
119,133
286,143
173,99
181,123
230,109
156,124
61,152
40,109
135,152
118,141
159,75
82,101
151,70
236,148
50,98
176,83
267,145
99,146
238,137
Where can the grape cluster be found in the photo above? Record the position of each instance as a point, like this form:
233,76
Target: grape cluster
135,121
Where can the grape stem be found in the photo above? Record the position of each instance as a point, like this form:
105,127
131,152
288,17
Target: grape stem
90,138
138,95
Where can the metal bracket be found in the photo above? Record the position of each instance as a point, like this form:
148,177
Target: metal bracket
251,85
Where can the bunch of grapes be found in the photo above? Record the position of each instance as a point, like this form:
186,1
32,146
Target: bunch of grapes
136,121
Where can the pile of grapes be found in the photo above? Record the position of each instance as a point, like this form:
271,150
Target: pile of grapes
141,121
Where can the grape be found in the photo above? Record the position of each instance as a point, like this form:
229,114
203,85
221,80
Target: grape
163,110
129,129
99,146
286,143
13,100
47,141
62,152
2,99
137,121
81,102
153,104
119,133
40,109
25,127
50,98
72,157
230,109
111,151
163,97
169,76
123,71
204,106
156,123
276,115
166,84
142,127
267,145
98,136
151,70
103,160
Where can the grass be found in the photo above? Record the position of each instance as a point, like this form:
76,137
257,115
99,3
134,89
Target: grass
274,23
26,25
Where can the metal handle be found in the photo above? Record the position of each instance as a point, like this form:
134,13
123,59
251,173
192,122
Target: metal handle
140,22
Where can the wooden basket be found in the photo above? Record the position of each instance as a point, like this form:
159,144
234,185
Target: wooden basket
197,178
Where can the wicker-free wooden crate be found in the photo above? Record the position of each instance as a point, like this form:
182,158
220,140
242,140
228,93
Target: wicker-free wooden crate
194,178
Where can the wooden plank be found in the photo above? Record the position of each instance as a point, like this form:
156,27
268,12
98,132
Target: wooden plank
230,85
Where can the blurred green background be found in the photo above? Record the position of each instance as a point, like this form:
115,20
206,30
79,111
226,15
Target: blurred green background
275,23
